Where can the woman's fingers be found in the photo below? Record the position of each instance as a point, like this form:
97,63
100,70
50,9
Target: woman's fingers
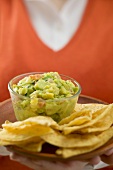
25,161
95,160
109,152
47,165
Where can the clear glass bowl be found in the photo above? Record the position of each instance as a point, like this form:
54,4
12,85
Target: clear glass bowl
56,108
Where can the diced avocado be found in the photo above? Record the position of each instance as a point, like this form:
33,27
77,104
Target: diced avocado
46,94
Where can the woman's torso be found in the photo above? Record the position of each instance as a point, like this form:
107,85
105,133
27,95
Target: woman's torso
88,57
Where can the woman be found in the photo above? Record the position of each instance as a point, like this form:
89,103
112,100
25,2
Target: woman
72,37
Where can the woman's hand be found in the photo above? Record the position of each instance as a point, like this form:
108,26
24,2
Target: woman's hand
47,165
108,157
70,165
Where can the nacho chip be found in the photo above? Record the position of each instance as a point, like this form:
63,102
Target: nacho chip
30,122
21,135
93,107
96,117
5,143
27,129
102,125
103,138
77,118
33,147
27,141
70,141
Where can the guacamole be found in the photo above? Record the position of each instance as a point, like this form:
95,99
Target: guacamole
44,94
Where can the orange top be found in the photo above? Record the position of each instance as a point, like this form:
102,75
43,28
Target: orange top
88,57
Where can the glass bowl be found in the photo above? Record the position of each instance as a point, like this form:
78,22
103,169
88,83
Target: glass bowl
56,108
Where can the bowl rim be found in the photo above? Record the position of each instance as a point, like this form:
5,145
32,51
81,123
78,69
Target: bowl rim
31,73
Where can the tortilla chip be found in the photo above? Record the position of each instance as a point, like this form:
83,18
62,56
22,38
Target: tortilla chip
102,125
77,118
33,147
103,138
70,141
22,142
97,116
37,120
21,135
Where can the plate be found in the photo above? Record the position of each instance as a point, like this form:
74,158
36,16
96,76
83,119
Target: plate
48,151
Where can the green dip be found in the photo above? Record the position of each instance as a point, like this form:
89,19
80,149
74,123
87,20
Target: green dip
44,94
